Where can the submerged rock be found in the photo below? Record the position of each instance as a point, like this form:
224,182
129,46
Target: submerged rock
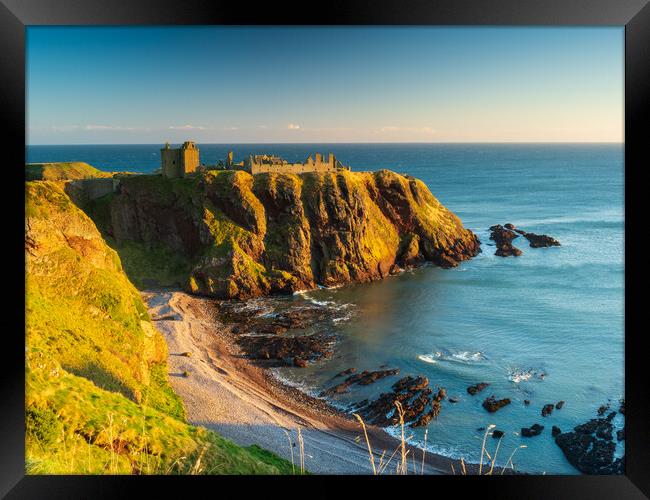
555,430
547,410
492,404
533,430
559,405
497,434
473,389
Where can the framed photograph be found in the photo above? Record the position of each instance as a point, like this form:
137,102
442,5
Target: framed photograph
390,246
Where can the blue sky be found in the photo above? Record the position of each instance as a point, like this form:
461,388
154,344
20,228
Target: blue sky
103,85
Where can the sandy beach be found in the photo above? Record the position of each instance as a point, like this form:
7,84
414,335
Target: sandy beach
227,393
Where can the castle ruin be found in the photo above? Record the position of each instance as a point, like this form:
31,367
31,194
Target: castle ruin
179,161
258,164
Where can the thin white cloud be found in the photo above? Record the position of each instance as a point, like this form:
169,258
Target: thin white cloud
415,130
186,127
293,126
107,127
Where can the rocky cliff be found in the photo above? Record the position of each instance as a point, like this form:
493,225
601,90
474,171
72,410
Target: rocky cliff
245,236
98,398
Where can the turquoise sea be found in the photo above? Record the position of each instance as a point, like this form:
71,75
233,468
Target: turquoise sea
546,326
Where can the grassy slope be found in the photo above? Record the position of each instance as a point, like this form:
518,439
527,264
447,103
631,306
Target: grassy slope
62,171
97,395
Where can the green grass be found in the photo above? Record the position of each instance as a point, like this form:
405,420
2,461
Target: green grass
146,265
98,398
62,171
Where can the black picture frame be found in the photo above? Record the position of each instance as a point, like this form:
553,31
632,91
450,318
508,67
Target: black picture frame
15,15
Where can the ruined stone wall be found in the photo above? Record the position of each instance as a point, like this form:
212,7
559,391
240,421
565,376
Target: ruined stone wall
171,163
96,188
292,168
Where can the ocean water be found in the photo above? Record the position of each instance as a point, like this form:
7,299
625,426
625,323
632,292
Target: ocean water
546,326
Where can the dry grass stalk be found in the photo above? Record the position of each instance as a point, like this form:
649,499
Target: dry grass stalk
365,433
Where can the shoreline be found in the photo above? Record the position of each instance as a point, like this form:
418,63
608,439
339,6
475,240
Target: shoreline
244,402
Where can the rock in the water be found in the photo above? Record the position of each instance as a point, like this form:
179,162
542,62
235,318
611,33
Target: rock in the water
590,448
349,371
473,389
364,378
547,410
497,434
414,394
526,402
533,430
492,404
620,434
559,405
541,240
555,430
503,238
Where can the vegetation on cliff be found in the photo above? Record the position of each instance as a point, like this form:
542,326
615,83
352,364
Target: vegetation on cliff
97,395
242,236
63,171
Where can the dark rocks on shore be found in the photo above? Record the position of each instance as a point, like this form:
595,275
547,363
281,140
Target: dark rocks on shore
559,405
590,447
285,351
492,404
555,430
497,434
366,377
503,238
473,389
299,362
547,410
533,430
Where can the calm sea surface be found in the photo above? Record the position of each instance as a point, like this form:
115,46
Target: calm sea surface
546,326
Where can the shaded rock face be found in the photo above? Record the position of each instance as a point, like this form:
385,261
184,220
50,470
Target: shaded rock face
247,236
590,447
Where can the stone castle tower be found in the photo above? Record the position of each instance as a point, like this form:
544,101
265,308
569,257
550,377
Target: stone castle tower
179,162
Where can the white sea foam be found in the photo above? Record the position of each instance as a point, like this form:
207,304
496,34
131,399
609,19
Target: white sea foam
519,375
459,356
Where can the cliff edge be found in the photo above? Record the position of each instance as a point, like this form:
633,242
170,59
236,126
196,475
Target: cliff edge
241,236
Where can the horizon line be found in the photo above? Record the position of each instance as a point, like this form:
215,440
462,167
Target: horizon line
324,142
